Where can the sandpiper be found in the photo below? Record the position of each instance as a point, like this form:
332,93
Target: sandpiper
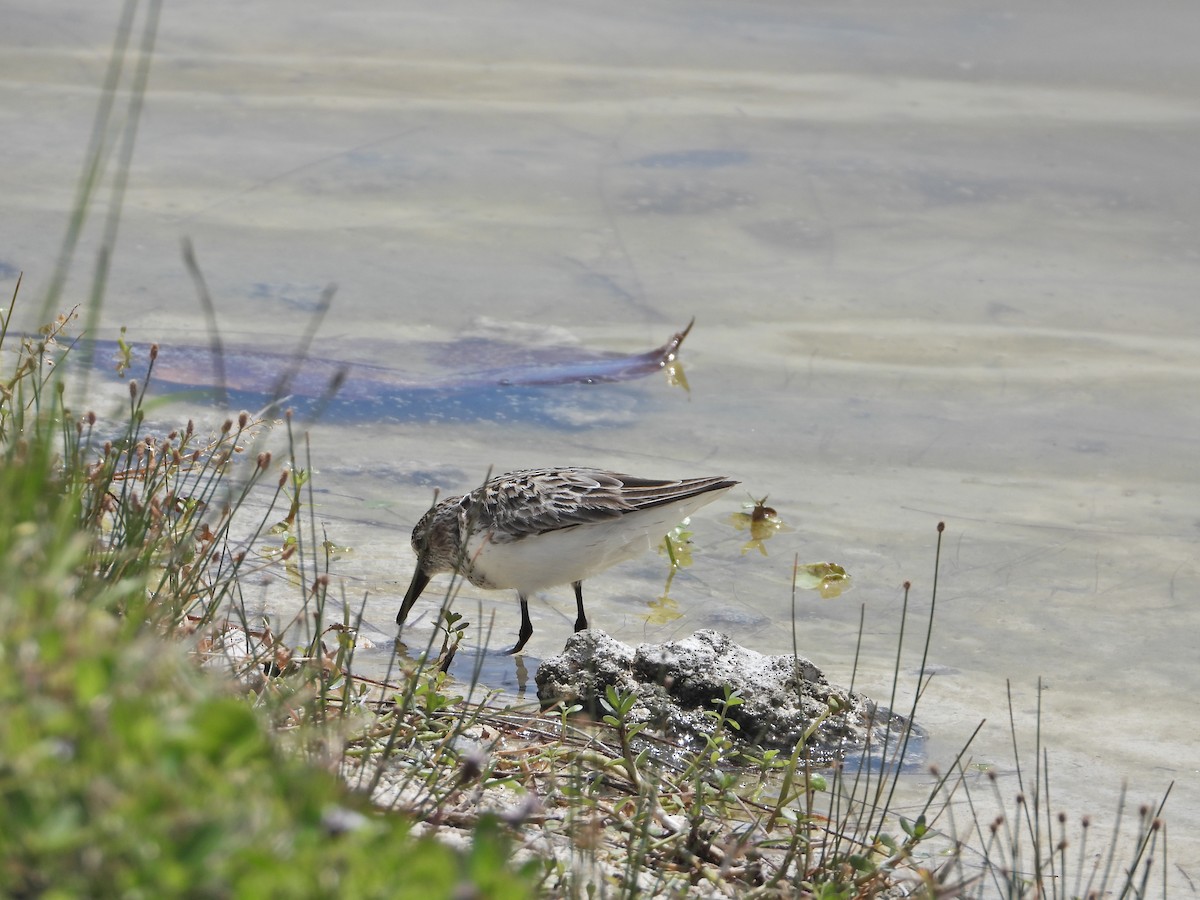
538,528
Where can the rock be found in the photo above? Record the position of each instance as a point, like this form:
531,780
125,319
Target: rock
677,682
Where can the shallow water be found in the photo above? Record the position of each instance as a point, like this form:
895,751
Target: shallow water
943,263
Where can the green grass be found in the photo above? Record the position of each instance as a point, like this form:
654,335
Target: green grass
124,769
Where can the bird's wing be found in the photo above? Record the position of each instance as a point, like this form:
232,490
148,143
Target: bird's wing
535,501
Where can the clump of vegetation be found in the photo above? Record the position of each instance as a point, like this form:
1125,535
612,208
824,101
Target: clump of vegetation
125,770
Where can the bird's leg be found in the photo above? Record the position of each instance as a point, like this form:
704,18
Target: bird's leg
526,627
581,620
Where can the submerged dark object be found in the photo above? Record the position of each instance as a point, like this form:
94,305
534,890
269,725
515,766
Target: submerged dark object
515,381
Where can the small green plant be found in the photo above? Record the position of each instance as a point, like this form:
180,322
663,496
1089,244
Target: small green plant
620,705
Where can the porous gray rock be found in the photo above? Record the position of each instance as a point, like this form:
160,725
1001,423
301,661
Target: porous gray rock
676,683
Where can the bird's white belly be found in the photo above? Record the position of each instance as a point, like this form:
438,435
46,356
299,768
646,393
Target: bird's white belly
559,557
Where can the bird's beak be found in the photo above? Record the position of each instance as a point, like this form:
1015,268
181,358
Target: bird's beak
420,579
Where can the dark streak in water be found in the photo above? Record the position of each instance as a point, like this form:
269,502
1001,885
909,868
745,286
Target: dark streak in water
554,385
